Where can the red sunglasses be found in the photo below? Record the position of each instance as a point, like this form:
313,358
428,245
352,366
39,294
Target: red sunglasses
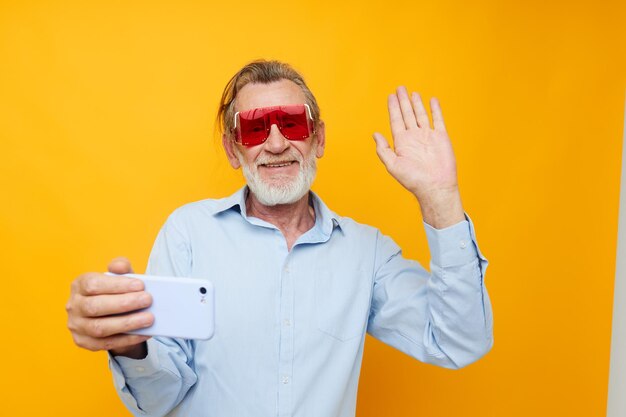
252,127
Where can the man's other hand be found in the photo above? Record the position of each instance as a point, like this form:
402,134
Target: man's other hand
422,159
101,309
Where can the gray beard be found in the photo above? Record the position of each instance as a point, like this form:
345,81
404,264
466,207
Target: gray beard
284,193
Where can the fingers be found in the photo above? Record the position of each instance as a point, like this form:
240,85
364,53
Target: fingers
98,284
120,265
395,115
105,305
435,109
104,327
109,343
405,113
97,305
420,110
406,108
383,150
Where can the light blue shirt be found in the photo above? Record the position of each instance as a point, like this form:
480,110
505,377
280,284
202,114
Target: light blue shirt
290,325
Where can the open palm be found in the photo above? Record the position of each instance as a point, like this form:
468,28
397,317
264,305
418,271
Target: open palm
422,159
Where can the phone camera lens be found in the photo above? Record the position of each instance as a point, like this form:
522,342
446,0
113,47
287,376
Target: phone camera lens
202,290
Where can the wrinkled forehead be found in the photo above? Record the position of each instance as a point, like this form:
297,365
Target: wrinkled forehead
278,93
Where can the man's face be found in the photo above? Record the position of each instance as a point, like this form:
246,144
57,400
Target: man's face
278,171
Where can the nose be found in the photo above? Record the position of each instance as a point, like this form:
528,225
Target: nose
276,143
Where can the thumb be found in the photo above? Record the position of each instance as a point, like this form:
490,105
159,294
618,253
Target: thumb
120,265
384,151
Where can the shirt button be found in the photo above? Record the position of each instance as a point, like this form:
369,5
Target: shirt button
286,268
462,244
287,322
139,368
285,380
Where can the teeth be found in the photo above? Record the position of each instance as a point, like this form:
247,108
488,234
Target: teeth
278,165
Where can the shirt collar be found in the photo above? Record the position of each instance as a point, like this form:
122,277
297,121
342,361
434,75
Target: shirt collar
238,199
325,219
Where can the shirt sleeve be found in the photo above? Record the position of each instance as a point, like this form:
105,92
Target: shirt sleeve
156,384
443,317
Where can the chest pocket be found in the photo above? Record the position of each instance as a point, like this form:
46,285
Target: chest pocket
342,301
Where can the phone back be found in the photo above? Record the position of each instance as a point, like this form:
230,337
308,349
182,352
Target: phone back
182,307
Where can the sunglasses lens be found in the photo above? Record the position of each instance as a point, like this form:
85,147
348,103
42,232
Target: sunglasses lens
294,124
253,126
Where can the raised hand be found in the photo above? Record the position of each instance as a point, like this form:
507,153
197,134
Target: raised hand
422,159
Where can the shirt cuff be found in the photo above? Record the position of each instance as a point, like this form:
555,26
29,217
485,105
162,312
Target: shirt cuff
454,245
123,367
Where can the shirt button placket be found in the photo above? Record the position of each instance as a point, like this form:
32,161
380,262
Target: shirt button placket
285,354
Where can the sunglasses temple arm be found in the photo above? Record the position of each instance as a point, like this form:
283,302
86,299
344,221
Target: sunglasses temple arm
308,109
235,123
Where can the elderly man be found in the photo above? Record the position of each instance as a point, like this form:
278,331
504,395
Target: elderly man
297,286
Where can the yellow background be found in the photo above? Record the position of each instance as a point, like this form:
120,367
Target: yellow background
106,125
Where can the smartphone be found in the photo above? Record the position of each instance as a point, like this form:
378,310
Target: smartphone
182,307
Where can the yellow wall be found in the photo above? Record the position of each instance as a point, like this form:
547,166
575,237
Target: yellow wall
106,125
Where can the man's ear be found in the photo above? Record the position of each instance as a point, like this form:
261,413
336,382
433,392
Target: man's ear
229,146
320,134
